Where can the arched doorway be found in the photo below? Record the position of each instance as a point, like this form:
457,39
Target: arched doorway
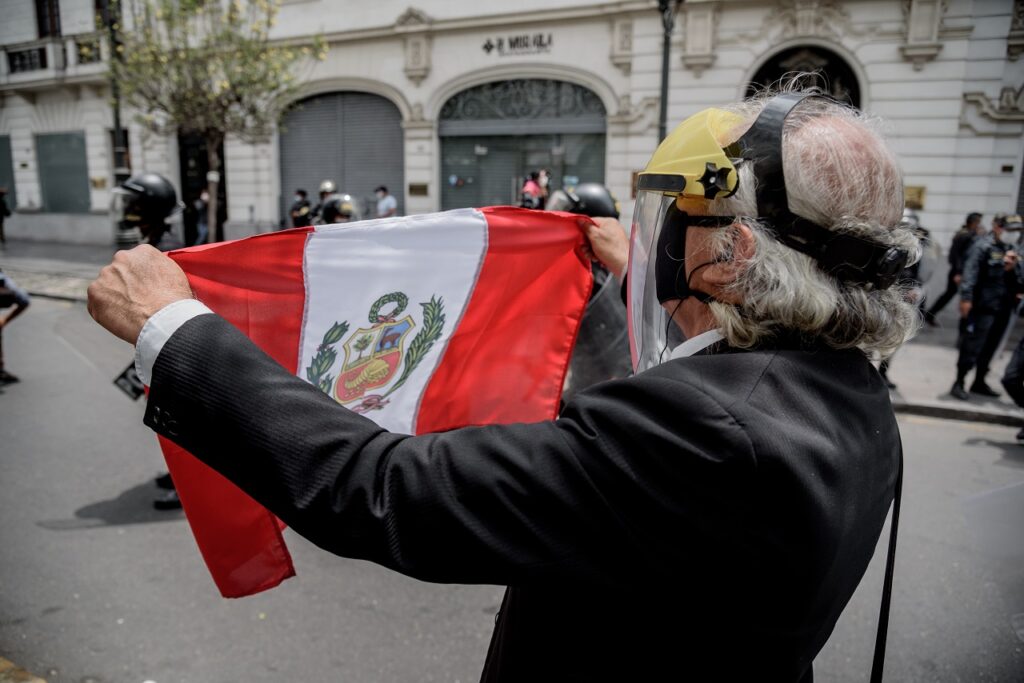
829,71
495,134
353,138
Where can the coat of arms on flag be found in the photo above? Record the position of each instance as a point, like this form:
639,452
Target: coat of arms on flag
422,323
374,355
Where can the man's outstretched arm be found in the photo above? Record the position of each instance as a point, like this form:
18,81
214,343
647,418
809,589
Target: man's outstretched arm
578,499
498,504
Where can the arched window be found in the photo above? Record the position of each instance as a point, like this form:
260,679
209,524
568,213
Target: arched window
831,72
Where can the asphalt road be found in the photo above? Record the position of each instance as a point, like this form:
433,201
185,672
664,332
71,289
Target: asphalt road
97,587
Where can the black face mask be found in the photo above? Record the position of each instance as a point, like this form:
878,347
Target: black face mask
670,276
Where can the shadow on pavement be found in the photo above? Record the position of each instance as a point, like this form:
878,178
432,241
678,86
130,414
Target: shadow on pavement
1012,455
134,506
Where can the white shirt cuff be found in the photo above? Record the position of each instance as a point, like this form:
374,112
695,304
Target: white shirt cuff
158,329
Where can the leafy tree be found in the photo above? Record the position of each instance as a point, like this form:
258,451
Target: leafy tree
208,67
362,343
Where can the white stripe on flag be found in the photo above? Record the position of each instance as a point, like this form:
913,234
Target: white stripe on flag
352,268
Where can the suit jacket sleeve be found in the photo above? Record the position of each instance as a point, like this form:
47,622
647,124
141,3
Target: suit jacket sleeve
581,498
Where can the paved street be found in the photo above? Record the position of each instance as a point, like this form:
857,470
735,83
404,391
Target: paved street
96,586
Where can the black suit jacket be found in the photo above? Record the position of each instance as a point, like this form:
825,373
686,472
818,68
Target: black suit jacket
706,520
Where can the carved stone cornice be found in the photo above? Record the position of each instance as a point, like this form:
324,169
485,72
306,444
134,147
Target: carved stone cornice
810,18
413,19
791,19
642,116
986,116
417,126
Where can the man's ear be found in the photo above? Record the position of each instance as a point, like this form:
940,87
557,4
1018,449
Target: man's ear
726,272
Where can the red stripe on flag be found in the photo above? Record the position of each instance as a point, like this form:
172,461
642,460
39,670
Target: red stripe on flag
529,299
257,285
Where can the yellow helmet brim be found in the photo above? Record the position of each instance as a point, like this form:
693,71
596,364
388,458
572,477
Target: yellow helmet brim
691,160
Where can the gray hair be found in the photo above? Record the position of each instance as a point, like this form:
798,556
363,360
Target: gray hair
840,174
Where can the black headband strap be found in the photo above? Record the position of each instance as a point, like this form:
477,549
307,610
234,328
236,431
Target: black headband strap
848,258
763,145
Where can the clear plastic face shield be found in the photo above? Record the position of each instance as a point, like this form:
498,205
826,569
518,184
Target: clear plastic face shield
649,322
689,162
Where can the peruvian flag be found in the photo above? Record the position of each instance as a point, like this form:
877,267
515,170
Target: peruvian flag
422,324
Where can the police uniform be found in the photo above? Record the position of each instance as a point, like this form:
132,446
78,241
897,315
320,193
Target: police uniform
992,291
300,213
962,242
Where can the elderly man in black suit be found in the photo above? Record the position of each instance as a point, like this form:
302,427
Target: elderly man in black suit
706,519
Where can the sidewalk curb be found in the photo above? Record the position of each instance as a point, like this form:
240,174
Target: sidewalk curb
12,673
948,412
57,297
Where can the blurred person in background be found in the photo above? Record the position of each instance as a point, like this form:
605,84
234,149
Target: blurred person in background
531,194
13,297
1013,377
201,205
962,241
989,286
5,211
327,188
300,209
387,205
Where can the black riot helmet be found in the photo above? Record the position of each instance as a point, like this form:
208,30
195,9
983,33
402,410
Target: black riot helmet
587,199
144,201
340,208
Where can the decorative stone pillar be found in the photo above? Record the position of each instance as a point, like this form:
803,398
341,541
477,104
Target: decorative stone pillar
700,18
924,18
415,25
622,45
422,195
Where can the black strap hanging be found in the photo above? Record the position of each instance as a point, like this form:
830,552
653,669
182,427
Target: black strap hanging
878,663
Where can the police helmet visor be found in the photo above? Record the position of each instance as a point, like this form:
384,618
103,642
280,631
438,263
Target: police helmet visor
126,206
560,200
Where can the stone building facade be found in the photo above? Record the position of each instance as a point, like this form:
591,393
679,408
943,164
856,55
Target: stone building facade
450,104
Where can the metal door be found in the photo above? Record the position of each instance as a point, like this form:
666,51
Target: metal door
354,139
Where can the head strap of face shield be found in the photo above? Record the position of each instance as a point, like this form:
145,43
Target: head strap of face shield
846,257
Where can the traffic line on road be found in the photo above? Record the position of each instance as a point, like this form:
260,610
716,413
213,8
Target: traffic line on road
12,673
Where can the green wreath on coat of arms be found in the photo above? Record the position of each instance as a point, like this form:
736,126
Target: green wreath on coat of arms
378,352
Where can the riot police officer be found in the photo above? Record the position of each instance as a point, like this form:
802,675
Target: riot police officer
988,291
962,241
327,188
340,208
146,202
602,345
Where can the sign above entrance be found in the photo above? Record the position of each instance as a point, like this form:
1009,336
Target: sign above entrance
518,44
